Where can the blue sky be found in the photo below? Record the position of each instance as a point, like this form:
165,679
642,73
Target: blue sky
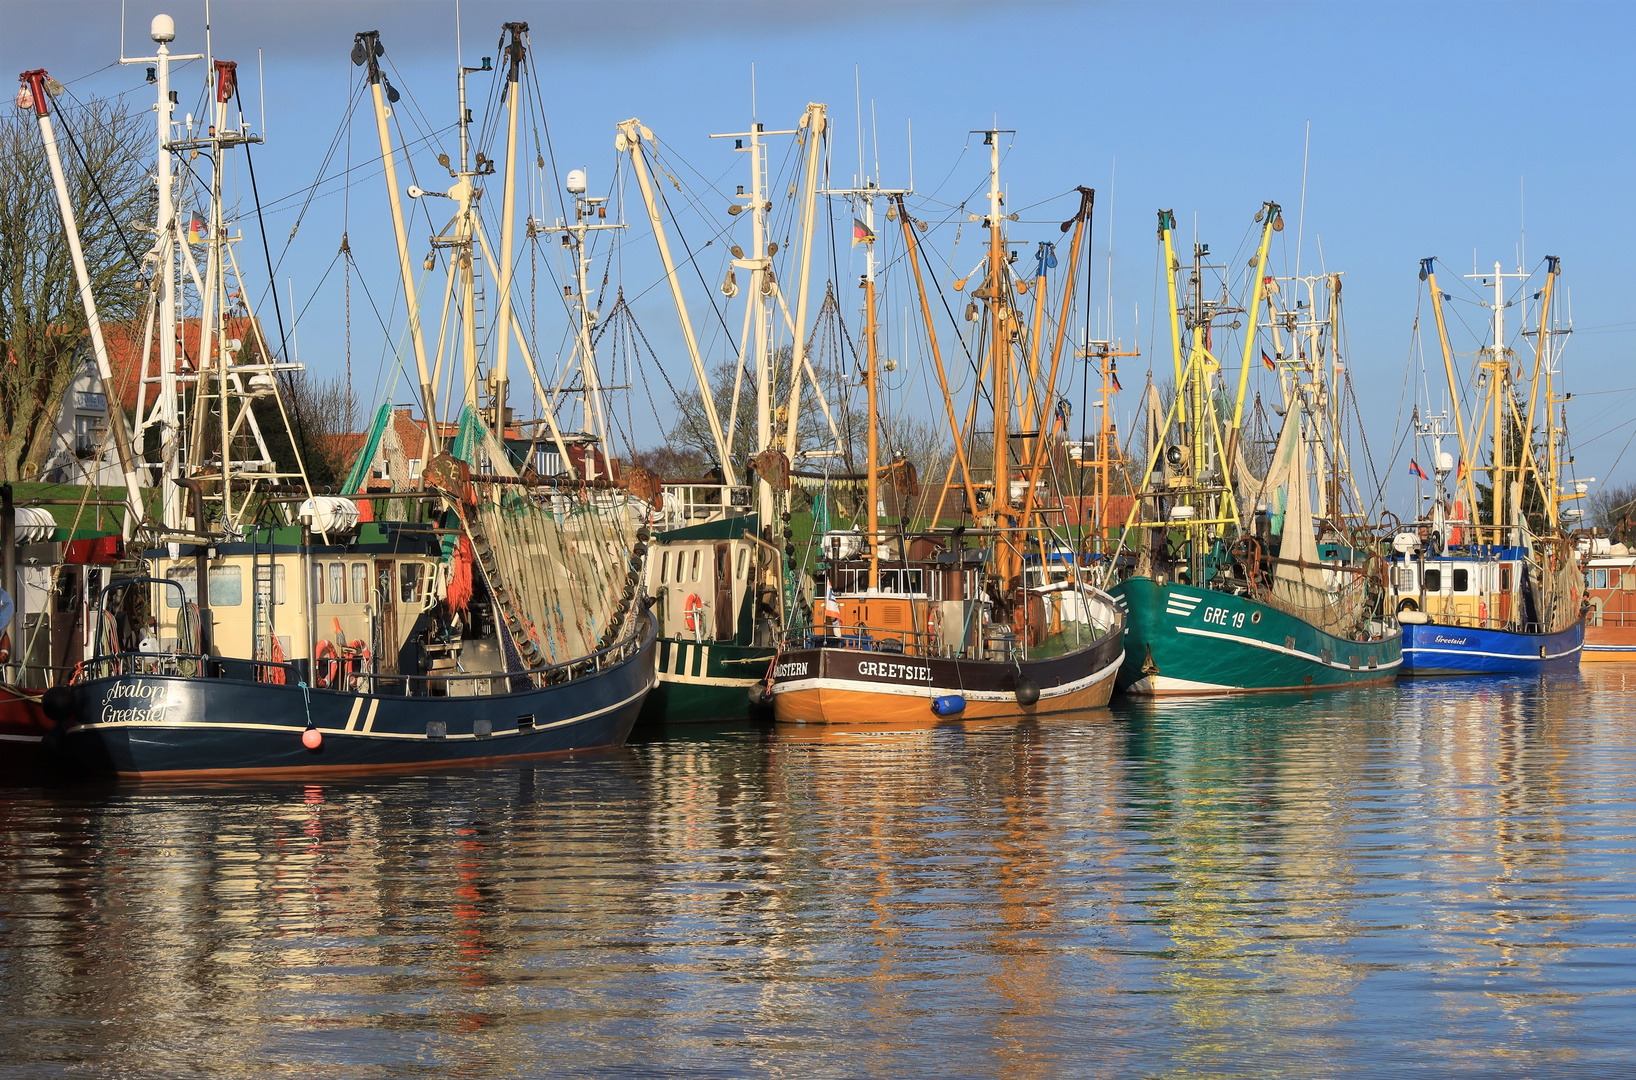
1436,129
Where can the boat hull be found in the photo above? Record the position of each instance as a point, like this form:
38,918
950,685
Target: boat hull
1430,649
23,727
706,682
1609,645
851,686
1182,640
143,726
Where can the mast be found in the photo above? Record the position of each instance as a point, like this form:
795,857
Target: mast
367,51
814,123
38,83
757,312
629,140
1000,355
515,54
166,242
1428,274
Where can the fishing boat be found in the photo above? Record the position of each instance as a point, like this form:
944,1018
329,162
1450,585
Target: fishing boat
1242,582
52,577
275,631
717,573
1610,590
1493,585
946,621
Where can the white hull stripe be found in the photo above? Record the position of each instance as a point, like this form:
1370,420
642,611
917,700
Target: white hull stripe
1270,647
21,738
1498,655
929,692
172,725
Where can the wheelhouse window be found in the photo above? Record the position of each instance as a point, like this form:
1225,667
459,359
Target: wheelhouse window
226,586
664,567
695,564
337,583
410,582
743,561
1505,579
1433,580
1405,579
1462,580
317,583
360,583
1599,579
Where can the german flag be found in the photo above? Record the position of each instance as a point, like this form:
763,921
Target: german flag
1267,361
861,233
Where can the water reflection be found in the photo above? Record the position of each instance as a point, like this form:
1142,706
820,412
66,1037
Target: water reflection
1435,874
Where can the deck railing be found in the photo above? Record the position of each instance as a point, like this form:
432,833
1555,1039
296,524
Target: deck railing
294,673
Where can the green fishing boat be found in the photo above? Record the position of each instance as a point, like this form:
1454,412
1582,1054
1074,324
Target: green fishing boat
1252,575
716,634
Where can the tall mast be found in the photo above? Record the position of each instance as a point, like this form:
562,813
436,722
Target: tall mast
758,261
367,51
166,242
999,348
38,83
814,122
508,215
866,193
629,140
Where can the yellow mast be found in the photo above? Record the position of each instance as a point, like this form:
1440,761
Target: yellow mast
873,483
1547,476
937,360
1429,275
1272,221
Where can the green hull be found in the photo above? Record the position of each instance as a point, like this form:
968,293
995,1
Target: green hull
705,682
1183,640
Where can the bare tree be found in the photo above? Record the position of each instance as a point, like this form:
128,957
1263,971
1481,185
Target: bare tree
41,318
1613,509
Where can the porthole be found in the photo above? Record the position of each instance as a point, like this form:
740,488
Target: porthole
1255,616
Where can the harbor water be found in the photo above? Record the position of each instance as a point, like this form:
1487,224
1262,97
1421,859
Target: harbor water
1434,878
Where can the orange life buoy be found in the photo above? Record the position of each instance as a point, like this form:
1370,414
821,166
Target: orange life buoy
1482,611
693,613
326,665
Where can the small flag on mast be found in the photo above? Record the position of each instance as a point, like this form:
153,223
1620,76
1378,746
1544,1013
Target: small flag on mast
861,233
1267,361
832,606
196,229
1415,469
1460,473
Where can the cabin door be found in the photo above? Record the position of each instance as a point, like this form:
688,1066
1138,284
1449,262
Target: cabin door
386,595
724,592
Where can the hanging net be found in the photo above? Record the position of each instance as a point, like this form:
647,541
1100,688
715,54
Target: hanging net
562,561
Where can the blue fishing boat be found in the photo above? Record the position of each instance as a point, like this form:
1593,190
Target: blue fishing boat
1489,580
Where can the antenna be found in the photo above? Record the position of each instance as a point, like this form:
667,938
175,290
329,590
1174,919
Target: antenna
857,96
459,53
1301,224
874,135
1113,172
911,153
261,77
752,91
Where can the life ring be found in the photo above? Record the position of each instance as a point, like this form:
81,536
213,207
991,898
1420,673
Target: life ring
1408,603
934,626
693,613
356,663
326,665
1482,611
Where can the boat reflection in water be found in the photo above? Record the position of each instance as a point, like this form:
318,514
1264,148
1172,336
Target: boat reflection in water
1352,880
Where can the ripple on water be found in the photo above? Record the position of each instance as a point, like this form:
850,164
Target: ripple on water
1433,876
